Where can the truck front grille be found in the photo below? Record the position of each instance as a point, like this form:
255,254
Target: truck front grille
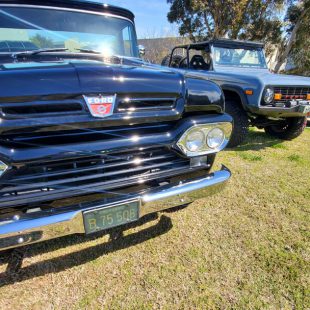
73,106
60,139
140,104
41,109
87,175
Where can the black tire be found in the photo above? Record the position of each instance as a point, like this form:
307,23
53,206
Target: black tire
289,129
175,61
241,123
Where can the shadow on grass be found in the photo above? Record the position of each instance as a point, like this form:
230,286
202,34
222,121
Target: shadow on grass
14,259
257,141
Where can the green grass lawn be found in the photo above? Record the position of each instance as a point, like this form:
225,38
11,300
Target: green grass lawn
245,248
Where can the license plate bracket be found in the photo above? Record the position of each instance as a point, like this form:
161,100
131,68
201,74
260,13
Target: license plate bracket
103,218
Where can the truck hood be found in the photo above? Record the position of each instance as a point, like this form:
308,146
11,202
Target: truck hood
76,77
264,76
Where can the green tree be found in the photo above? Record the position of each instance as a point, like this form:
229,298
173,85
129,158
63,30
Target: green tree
295,44
236,19
41,41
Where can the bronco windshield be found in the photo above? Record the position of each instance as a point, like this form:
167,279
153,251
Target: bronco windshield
238,57
25,28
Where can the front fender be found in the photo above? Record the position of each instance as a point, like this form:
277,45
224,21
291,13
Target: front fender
203,95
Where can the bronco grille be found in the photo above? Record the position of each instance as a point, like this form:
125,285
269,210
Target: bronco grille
291,93
92,174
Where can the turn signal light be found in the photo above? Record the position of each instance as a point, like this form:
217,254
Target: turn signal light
277,96
308,97
249,92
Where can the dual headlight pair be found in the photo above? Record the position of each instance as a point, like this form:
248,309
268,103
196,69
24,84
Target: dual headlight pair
205,139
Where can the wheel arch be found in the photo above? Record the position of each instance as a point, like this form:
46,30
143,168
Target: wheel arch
237,95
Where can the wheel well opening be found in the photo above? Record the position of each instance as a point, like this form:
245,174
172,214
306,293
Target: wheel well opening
232,96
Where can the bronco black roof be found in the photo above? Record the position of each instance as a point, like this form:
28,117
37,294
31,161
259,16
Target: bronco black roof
224,43
76,4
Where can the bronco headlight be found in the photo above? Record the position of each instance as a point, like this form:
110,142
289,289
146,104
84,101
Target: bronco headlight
268,95
205,139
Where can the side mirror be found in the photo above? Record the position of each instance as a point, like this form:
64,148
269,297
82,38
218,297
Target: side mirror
141,50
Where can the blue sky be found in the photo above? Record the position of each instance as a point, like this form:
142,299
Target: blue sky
151,17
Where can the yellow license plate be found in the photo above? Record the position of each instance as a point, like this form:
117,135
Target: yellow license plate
104,218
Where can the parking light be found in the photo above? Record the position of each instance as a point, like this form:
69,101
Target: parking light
277,96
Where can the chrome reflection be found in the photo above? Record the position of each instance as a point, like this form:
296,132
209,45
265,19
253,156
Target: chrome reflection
45,225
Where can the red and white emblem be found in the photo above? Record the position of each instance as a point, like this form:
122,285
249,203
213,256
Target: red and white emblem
100,106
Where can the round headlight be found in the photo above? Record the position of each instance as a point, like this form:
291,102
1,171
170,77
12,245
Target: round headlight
195,140
215,138
269,94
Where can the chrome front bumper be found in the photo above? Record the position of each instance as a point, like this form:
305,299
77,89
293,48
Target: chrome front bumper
41,226
278,111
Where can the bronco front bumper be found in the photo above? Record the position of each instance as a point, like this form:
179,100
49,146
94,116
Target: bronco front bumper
296,111
40,226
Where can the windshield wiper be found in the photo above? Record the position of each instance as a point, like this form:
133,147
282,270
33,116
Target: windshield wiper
38,51
116,58
89,51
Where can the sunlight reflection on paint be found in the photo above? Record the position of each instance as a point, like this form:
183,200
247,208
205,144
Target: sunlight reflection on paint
137,161
105,50
135,138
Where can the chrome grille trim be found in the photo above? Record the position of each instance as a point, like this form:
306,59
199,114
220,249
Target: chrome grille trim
137,104
96,174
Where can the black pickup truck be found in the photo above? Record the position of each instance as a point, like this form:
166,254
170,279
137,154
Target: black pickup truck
91,136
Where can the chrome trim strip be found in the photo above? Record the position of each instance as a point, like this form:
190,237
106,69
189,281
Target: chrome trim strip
36,227
64,9
148,99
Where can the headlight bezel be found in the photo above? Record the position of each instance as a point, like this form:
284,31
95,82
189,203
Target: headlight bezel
226,128
268,95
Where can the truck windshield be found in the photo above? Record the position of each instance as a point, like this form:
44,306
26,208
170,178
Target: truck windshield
26,29
238,57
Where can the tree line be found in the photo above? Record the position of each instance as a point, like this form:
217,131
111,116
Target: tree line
281,24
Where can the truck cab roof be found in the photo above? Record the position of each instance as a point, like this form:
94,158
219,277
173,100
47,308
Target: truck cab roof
76,5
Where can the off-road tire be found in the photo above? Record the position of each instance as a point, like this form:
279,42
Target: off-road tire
176,59
240,125
290,129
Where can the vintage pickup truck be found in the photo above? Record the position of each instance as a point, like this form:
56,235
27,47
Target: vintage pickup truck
254,96
91,136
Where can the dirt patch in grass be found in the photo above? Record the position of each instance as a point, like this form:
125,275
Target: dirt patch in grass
245,248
